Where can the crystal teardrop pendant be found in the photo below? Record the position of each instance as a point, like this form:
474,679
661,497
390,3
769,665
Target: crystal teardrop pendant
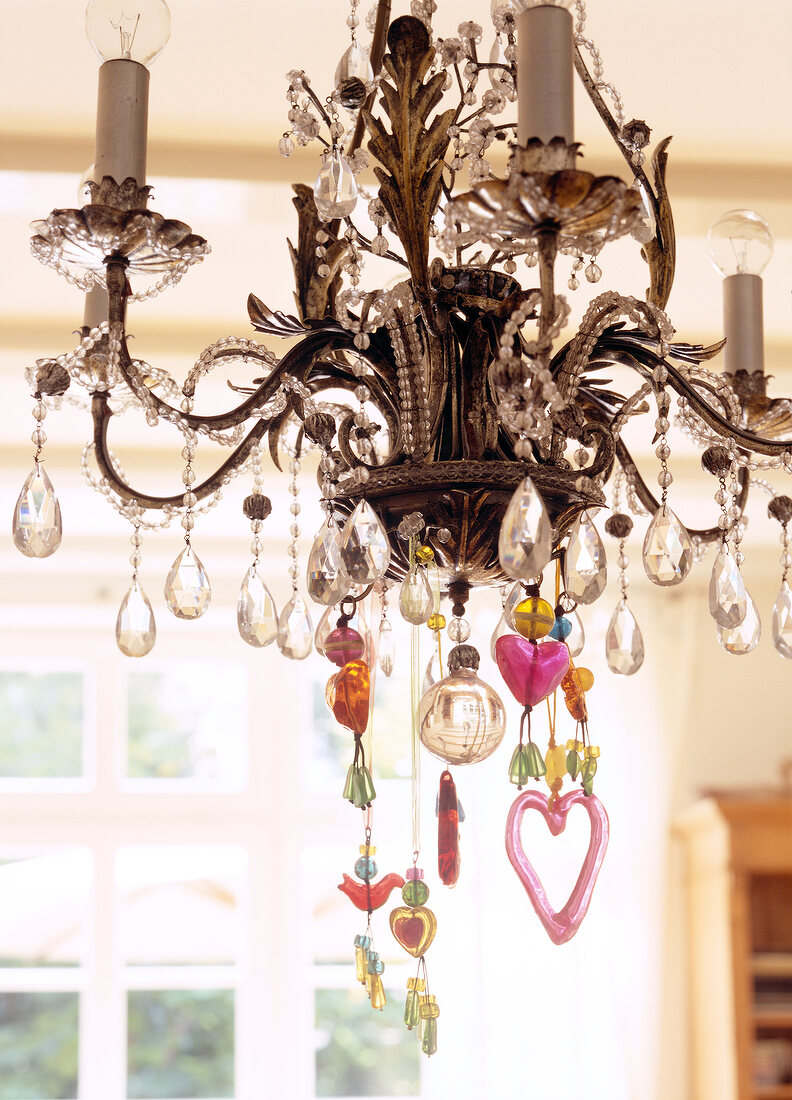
354,63
728,599
585,566
257,618
335,190
187,588
667,550
744,637
433,672
525,543
514,598
365,551
295,632
416,601
576,638
325,578
136,631
386,653
37,526
624,646
782,621
501,628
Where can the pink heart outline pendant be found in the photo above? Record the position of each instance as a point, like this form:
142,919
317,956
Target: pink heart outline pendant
560,926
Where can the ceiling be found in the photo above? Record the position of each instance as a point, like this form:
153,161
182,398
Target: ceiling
714,73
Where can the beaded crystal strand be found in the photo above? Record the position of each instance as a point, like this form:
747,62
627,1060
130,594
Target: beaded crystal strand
295,630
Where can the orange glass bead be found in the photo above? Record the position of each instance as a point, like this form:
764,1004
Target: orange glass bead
533,618
330,691
351,696
576,705
585,679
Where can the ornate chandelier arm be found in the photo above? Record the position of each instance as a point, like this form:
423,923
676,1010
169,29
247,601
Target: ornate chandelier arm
102,413
651,504
660,252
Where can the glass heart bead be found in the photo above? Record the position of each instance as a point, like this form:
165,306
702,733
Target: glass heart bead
351,700
343,645
534,618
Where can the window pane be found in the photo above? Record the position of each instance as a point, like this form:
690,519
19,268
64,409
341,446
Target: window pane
188,721
41,725
38,1046
361,1051
180,1043
44,911
180,905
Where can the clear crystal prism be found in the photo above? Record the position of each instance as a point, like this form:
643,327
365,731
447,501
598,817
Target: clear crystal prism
257,618
37,527
624,646
782,621
365,550
433,672
514,596
187,588
136,631
728,599
585,565
501,628
416,601
326,581
576,638
525,542
295,632
386,652
667,549
354,63
745,636
335,190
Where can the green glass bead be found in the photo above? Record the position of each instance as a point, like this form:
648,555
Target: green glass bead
518,767
588,786
573,763
349,785
415,892
366,787
411,1010
536,765
589,770
429,1036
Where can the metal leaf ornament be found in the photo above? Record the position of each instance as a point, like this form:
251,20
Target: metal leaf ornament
411,175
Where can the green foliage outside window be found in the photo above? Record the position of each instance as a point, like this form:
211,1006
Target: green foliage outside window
41,725
38,1046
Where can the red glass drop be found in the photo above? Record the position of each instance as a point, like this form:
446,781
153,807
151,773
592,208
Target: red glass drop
448,831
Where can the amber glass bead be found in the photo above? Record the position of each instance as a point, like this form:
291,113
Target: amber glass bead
351,696
534,618
424,554
436,621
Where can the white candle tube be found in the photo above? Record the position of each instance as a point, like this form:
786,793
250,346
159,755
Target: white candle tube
95,311
545,95
743,323
122,121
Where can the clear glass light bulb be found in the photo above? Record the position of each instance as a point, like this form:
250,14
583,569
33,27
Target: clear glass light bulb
740,243
135,30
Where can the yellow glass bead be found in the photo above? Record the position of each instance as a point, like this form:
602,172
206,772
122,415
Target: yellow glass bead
585,679
377,994
436,621
591,751
555,762
533,618
361,965
424,554
576,745
416,984
367,850
429,1009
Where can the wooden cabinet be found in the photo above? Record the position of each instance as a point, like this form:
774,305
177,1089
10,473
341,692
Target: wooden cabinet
739,918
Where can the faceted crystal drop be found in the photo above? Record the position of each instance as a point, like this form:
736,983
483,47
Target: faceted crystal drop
326,580
386,655
728,599
136,631
416,601
433,672
525,543
501,628
745,637
585,567
295,632
515,596
782,621
365,551
37,526
667,549
624,646
257,618
187,588
576,638
335,190
354,63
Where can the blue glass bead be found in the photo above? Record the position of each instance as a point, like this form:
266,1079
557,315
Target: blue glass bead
561,630
363,941
366,868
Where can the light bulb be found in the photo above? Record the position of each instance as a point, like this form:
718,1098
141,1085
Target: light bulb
740,243
135,30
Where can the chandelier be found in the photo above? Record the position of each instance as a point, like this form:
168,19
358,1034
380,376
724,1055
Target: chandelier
461,444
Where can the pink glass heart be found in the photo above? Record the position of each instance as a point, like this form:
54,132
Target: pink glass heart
531,671
562,925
